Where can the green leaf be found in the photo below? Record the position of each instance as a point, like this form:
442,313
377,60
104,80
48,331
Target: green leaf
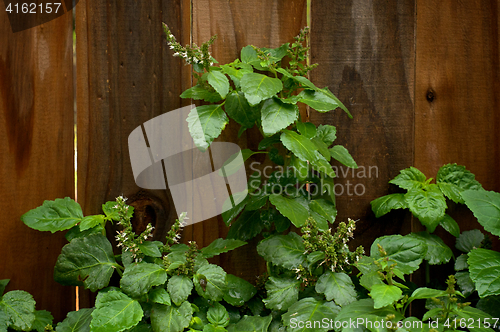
450,225
301,146
210,282
427,206
414,324
141,327
276,115
486,208
249,55
290,208
340,153
4,321
341,105
319,100
490,305
324,209
150,248
236,161
218,315
206,124
42,319
111,212
484,268
159,295
219,246
213,328
281,293
437,251
322,148
465,283
451,191
283,250
322,166
426,293
308,84
407,252
469,240
54,216
179,287
453,179
461,262
76,321
306,129
251,323
327,134
366,264
138,279
238,108
258,87
199,92
271,216
300,168
409,178
171,318
336,286
3,284
91,221
239,291
88,259
236,74
302,316
476,319
269,141
219,82
369,279
276,157
246,227
433,313
364,311
384,295
382,205
231,213
75,232
115,311
19,306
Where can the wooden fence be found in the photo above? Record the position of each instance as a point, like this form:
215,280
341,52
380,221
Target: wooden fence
421,78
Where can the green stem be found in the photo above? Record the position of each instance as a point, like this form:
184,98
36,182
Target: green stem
119,269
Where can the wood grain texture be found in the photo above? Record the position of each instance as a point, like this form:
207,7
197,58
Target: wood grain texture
366,54
36,163
125,77
457,103
237,24
457,94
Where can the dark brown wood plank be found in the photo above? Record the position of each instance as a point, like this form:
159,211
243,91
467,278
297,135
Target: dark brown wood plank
237,24
36,163
125,77
366,56
457,92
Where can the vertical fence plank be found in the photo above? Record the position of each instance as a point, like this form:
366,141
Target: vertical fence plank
125,78
457,94
366,54
36,131
237,24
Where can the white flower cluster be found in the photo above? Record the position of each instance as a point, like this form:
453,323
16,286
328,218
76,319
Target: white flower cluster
148,232
191,54
181,222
